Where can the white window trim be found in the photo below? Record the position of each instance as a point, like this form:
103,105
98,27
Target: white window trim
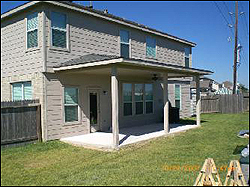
180,96
129,44
22,89
151,57
63,106
26,33
51,47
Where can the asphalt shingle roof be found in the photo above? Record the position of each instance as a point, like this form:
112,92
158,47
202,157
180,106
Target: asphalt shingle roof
91,58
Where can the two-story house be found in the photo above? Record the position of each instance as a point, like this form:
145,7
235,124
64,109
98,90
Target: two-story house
93,71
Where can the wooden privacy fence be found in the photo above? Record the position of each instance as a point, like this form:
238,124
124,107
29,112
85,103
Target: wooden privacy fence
246,102
223,104
20,121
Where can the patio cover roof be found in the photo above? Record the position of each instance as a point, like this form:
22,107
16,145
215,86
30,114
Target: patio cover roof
92,60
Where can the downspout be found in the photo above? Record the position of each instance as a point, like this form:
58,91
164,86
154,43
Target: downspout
44,70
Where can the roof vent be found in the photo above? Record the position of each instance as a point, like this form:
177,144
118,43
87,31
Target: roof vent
106,11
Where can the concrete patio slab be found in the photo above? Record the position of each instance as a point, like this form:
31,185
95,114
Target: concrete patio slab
104,140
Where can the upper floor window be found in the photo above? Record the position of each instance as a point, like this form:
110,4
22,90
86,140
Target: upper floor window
21,91
124,43
32,30
178,96
70,104
187,60
58,29
150,47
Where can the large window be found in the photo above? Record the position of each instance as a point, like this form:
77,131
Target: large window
149,98
178,96
58,29
32,30
150,47
21,91
127,99
71,104
187,60
138,98
124,40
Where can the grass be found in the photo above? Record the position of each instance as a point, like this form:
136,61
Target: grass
147,163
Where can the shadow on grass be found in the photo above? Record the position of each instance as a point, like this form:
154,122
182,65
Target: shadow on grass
189,122
238,149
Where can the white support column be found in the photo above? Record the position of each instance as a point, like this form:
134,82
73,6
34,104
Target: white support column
115,107
198,101
166,103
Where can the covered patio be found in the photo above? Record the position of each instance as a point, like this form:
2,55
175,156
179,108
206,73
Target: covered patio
119,69
127,136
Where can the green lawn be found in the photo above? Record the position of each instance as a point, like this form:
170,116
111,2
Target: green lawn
56,163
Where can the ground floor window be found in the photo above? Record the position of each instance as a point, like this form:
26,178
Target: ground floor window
178,96
149,98
137,99
21,91
71,104
127,99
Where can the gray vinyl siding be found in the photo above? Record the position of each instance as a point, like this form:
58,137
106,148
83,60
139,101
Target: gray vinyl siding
15,59
56,128
88,34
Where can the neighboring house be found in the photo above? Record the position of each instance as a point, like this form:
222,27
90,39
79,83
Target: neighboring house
208,86
91,70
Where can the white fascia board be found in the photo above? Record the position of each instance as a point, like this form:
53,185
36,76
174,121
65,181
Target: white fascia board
167,67
17,9
131,62
90,64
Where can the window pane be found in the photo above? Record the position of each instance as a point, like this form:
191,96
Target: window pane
186,62
124,36
125,50
32,21
71,113
149,107
71,96
58,38
177,92
187,52
127,92
138,92
139,107
58,20
127,110
32,39
150,47
27,90
177,103
149,92
17,91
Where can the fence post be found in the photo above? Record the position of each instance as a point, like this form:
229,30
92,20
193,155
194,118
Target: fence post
38,123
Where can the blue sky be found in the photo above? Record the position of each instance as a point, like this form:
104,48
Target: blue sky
199,22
